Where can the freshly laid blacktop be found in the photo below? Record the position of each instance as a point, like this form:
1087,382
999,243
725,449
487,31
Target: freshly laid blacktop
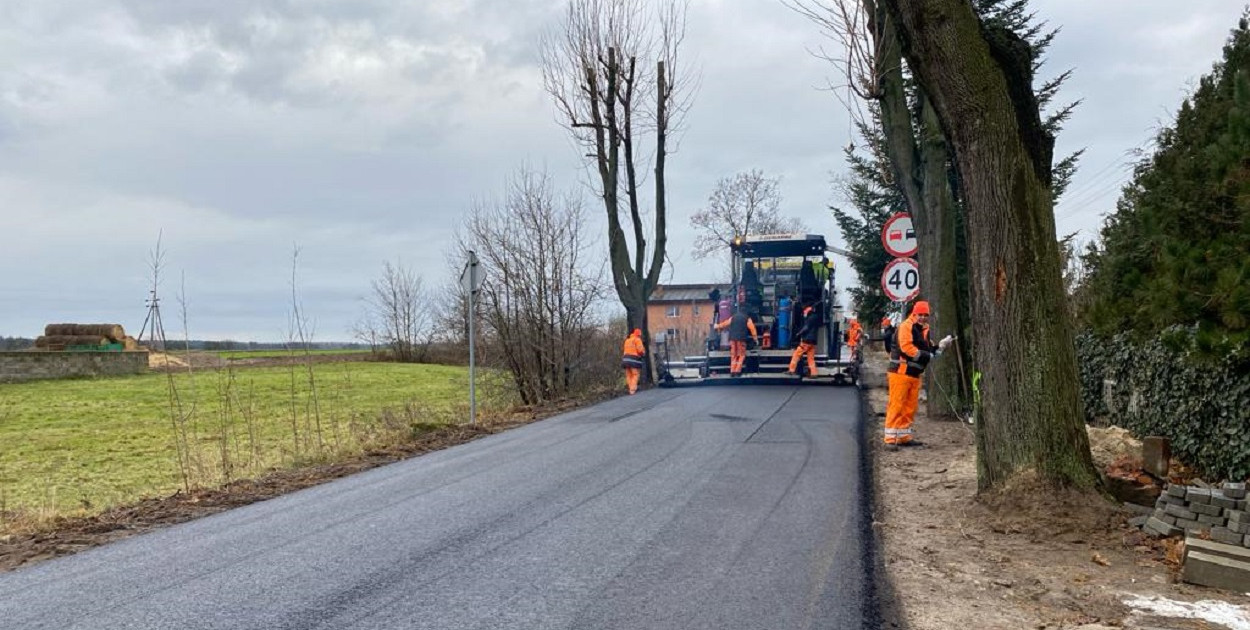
729,507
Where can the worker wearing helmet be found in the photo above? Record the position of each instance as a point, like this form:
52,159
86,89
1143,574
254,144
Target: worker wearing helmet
908,359
741,327
632,359
807,342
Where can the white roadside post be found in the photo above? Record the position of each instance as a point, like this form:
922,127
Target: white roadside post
471,281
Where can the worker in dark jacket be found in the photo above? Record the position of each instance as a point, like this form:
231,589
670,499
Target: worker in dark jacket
807,335
908,359
888,333
741,327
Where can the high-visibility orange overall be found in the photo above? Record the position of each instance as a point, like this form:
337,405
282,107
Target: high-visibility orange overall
808,335
631,359
908,359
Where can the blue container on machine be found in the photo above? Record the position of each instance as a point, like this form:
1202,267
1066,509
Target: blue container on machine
784,308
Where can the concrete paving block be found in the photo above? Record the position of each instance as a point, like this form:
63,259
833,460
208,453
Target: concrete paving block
1180,512
1223,502
1237,516
1166,499
1207,519
1139,521
1191,526
1209,510
1234,490
1216,549
1225,535
1156,451
1216,571
1198,495
1156,526
1176,490
1240,528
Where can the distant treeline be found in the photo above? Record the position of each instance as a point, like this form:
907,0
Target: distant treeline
15,343
23,343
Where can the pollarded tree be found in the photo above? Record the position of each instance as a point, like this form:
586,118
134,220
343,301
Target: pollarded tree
979,77
613,73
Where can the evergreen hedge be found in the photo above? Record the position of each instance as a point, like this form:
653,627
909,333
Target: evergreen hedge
1176,386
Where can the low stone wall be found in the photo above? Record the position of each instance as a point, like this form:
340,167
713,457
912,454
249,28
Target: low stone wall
33,366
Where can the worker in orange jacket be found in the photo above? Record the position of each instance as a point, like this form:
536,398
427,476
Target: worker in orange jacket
632,359
807,336
909,357
741,327
853,334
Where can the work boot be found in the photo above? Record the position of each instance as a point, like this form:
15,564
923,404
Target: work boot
913,443
891,447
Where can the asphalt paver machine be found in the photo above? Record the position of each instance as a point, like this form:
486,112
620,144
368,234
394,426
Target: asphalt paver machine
775,277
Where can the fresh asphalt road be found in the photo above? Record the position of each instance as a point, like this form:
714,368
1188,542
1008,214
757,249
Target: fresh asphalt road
706,507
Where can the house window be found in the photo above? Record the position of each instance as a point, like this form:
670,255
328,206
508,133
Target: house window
696,309
672,311
672,334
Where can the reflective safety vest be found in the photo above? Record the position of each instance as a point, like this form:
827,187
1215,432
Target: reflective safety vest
912,350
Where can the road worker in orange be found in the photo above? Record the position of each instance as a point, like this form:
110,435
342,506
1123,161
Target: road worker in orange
853,334
909,357
807,336
632,359
741,327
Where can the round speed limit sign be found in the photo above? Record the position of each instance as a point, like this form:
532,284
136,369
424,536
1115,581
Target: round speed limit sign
901,279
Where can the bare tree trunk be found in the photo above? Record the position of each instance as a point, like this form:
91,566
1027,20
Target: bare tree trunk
920,168
936,229
1030,415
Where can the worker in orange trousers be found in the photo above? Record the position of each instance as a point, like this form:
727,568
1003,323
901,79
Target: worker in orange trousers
741,327
909,356
632,359
853,334
807,342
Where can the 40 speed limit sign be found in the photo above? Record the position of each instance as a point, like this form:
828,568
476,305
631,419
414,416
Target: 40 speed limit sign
901,279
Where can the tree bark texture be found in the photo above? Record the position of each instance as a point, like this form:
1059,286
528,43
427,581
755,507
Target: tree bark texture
1029,416
920,168
938,232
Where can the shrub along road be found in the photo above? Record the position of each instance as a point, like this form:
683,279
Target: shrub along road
693,508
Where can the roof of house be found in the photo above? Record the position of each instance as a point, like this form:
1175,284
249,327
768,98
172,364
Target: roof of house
684,292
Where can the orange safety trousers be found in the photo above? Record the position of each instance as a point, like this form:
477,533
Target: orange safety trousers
901,412
631,378
810,350
737,356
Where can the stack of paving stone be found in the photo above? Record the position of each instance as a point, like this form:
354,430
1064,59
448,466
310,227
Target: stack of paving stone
1223,511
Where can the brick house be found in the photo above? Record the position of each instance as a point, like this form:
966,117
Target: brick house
683,313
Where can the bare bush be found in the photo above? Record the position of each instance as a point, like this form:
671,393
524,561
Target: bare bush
397,315
540,287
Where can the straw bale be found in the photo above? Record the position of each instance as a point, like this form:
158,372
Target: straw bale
55,341
114,332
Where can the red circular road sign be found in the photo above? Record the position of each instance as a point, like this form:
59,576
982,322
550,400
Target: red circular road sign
898,235
901,279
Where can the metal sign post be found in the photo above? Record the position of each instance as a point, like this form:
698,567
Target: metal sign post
470,280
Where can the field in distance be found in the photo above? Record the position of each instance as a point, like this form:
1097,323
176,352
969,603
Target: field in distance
76,447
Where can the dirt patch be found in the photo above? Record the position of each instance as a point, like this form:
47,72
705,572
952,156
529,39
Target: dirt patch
67,536
1021,557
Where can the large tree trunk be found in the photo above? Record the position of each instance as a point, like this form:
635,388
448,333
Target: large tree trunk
938,231
1030,415
920,168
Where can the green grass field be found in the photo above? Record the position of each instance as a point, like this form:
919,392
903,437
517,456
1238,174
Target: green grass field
80,446
272,354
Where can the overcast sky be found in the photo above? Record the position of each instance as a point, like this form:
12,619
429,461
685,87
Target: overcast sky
361,130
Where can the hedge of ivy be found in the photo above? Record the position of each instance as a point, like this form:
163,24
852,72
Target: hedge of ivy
1170,386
